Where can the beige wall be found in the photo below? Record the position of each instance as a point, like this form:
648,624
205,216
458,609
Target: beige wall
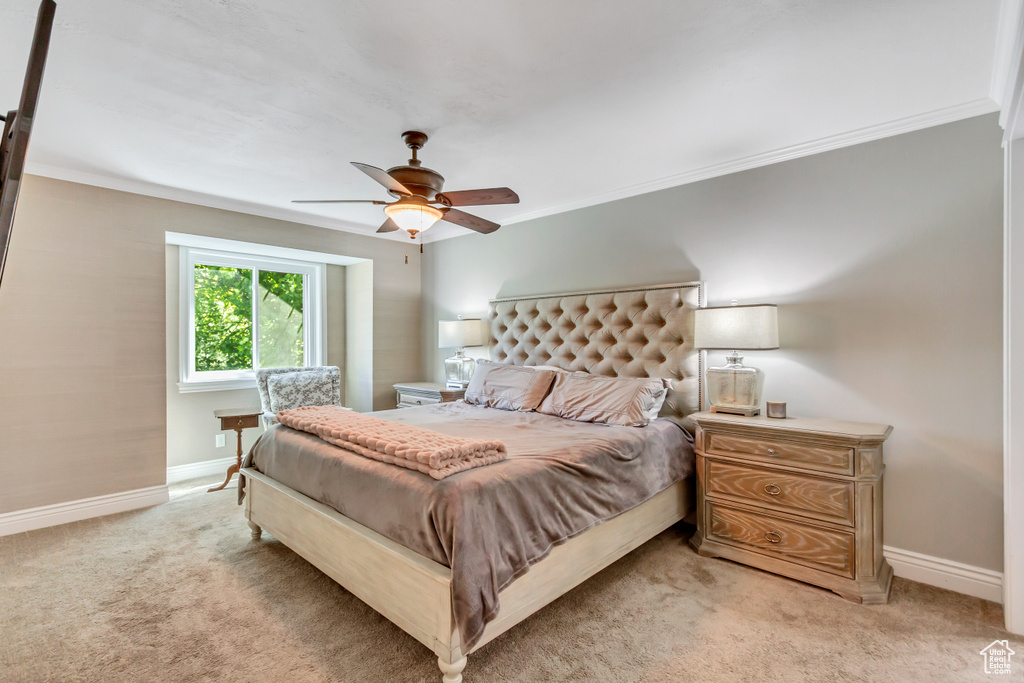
335,353
359,336
83,344
885,259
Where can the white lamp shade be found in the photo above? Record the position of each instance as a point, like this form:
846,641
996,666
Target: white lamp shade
736,328
457,334
413,217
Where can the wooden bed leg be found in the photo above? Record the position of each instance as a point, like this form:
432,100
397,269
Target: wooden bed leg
452,672
257,531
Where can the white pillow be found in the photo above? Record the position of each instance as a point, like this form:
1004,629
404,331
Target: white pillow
508,387
623,401
298,389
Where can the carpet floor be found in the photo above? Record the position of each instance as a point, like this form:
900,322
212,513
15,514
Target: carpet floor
180,593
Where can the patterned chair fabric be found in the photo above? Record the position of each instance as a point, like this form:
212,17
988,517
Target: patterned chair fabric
297,397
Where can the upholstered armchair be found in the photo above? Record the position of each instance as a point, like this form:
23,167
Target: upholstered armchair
286,388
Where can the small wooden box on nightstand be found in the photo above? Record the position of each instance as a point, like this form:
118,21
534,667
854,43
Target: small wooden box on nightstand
798,497
410,394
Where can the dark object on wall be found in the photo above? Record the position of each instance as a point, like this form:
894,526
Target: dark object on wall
18,127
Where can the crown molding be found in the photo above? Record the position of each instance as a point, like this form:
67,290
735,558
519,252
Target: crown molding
1002,58
855,137
177,194
1007,68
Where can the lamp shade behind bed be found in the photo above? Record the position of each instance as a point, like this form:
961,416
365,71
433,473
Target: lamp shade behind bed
736,388
458,334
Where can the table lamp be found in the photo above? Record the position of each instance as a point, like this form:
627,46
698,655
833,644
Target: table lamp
736,388
458,334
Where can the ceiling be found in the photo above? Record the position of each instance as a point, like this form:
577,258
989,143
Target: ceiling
248,104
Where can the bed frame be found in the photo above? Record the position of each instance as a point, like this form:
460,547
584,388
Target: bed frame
638,332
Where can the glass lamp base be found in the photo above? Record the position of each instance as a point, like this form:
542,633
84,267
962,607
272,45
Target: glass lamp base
458,370
735,389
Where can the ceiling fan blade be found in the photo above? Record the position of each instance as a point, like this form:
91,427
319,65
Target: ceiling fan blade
388,226
470,221
337,201
382,177
491,195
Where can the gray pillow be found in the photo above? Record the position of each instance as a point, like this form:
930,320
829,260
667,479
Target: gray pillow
508,387
623,401
298,389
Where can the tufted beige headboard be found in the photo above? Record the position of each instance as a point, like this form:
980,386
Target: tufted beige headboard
630,332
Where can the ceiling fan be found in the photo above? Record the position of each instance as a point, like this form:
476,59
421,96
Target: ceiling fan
417,189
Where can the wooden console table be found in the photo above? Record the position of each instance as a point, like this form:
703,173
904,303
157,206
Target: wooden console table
237,419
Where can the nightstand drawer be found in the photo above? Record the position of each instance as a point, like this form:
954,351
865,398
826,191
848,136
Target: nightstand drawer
837,459
414,400
240,422
823,499
825,549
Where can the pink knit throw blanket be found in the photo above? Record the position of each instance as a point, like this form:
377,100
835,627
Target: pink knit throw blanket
396,443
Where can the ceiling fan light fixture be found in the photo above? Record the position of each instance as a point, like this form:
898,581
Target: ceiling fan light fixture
416,187
411,217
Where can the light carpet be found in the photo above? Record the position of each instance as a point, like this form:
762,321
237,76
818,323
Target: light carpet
181,593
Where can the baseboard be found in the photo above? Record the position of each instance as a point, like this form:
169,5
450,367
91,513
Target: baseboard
77,510
199,469
954,576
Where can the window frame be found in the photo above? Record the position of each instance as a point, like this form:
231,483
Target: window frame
313,311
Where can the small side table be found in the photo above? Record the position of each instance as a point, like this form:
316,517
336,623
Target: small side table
409,394
237,419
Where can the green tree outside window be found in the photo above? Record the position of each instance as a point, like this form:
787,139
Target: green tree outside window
225,312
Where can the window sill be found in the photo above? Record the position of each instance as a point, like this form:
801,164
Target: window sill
216,385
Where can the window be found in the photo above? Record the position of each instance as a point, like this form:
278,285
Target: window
242,312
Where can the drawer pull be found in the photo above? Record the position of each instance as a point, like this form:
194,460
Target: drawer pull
772,451
773,537
240,422
772,489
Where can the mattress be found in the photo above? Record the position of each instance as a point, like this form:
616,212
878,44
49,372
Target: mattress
491,523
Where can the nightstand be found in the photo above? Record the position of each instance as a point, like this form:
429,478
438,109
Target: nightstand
410,394
798,497
237,419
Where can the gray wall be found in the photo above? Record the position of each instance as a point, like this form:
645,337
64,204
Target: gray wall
83,333
885,259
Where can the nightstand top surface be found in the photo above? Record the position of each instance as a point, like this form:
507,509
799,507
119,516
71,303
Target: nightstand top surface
423,386
238,412
803,424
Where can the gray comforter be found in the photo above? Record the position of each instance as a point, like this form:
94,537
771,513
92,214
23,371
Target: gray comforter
491,523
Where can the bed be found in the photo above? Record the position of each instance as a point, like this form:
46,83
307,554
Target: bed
391,557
